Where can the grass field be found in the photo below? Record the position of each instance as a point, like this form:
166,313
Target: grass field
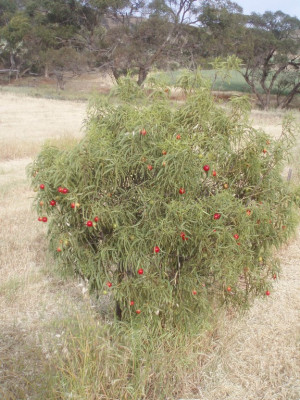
235,80
54,343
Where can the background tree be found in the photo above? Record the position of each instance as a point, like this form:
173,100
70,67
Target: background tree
221,27
270,50
13,42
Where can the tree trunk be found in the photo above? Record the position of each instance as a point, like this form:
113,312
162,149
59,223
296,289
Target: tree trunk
268,99
288,98
143,72
12,61
260,98
118,311
119,72
46,71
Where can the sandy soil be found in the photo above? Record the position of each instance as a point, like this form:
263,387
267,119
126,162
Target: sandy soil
254,357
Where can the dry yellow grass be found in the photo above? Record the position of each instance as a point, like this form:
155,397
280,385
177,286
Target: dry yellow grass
26,122
251,358
256,356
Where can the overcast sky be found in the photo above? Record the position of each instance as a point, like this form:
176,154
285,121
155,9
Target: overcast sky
291,7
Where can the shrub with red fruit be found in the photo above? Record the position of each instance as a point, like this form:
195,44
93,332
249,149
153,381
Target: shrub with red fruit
146,218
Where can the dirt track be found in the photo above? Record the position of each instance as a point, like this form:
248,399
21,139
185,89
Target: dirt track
254,358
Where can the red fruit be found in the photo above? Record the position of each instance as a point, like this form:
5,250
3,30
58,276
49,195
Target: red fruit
206,168
60,189
65,190
236,236
164,152
143,132
194,292
96,219
274,276
109,284
44,219
89,223
181,191
268,293
183,237
52,203
217,216
138,311
156,249
264,151
73,205
238,244
214,173
40,219
178,137
248,212
150,167
58,249
229,289
42,186
132,303
140,271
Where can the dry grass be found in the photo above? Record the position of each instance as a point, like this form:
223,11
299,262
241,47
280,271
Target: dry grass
26,122
44,317
256,357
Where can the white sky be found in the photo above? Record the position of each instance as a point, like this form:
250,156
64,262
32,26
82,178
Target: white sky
291,7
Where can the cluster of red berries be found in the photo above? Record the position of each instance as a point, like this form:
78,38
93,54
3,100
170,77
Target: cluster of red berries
63,190
183,237
42,219
90,223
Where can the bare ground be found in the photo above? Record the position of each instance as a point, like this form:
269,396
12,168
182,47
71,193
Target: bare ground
251,358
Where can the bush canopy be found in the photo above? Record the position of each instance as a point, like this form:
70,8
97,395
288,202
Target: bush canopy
170,209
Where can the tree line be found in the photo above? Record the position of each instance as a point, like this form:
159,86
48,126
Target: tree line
122,36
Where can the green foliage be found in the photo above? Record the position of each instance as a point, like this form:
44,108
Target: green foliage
127,89
15,30
139,172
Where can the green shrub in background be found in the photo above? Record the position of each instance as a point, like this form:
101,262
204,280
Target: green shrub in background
171,210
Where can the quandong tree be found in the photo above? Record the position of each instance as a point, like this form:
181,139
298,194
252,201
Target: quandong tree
170,208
